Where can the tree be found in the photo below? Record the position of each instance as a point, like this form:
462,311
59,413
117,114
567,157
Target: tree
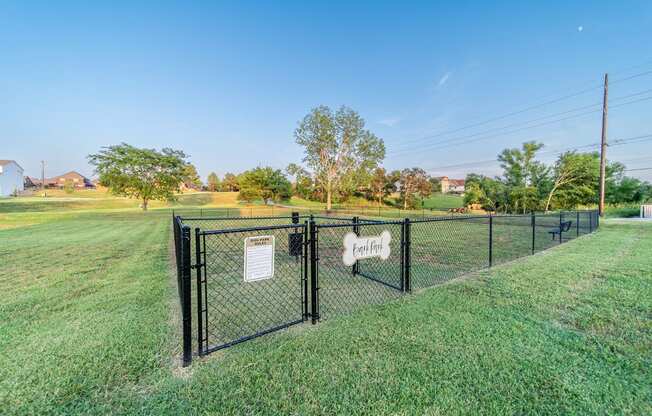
213,182
230,183
576,179
264,183
520,168
435,184
488,192
336,145
146,174
381,185
414,182
523,176
192,180
303,183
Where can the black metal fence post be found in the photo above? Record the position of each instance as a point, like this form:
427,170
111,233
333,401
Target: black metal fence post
402,273
306,265
185,295
314,269
577,224
407,287
200,308
356,230
491,240
534,231
561,229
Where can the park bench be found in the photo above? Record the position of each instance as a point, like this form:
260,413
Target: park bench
563,228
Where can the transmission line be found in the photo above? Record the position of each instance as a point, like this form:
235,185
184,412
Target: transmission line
526,109
558,152
437,146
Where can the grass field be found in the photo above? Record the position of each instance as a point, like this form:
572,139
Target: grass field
88,326
442,201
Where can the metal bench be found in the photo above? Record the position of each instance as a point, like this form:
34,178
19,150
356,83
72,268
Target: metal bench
563,228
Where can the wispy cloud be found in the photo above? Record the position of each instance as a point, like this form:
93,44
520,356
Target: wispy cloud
390,121
444,79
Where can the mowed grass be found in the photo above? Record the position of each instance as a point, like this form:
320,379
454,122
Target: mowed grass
86,327
59,201
442,201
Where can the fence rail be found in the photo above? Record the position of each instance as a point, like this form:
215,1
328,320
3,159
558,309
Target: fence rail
257,275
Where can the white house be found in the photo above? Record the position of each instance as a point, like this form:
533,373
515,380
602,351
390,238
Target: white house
11,177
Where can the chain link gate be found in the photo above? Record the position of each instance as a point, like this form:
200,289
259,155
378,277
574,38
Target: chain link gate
236,301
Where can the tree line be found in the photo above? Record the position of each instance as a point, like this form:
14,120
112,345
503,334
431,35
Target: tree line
573,180
343,159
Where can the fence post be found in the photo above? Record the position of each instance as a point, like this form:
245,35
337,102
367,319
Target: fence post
200,308
534,231
407,255
314,280
356,230
491,240
185,295
577,224
403,256
306,251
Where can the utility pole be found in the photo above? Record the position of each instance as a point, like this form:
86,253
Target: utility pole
42,175
603,145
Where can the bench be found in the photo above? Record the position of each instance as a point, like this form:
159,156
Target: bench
563,228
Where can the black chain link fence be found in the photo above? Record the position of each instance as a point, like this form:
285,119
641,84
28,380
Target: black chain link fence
308,274
342,288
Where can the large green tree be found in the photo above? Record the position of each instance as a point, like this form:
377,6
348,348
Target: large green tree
192,180
303,184
337,148
523,176
489,192
381,185
264,183
230,182
414,182
214,183
575,180
146,174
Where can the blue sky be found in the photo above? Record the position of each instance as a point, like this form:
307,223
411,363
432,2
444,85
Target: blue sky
228,82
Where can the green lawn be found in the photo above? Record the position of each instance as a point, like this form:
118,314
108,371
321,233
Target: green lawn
442,201
88,326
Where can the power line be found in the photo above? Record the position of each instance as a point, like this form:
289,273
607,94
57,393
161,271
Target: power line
437,146
557,152
526,109
403,151
637,169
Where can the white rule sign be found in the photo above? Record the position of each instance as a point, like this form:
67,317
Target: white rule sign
258,258
358,248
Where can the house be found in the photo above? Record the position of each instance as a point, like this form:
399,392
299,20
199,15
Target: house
77,180
11,178
451,185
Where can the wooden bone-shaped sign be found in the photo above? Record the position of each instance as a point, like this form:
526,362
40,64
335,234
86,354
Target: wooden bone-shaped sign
357,248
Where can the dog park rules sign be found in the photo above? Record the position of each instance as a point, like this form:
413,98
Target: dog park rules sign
358,248
258,258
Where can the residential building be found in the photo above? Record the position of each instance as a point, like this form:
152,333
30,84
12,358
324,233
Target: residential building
451,185
11,178
77,180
